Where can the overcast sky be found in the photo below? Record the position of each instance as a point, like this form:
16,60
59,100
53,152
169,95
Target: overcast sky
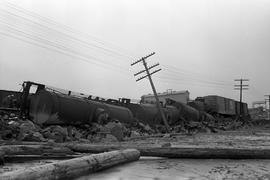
87,45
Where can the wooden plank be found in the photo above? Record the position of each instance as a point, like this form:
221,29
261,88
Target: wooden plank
25,158
34,150
181,152
74,167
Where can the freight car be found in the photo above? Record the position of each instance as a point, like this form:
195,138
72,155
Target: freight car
10,99
149,114
54,108
218,105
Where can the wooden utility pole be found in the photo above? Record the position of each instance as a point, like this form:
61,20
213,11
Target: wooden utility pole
268,112
148,74
241,87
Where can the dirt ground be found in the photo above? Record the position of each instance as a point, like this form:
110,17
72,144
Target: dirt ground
213,169
258,137
178,169
163,168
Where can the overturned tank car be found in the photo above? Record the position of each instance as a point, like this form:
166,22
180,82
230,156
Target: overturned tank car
48,108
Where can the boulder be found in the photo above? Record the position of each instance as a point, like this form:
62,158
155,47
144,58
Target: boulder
28,127
36,136
116,129
57,133
110,138
134,134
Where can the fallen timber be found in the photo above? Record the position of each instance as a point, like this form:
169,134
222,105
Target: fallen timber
180,152
27,158
74,167
34,150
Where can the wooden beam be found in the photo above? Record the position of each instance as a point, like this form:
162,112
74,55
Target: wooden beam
181,152
74,167
34,150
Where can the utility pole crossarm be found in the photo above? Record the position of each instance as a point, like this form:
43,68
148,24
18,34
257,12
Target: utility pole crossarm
145,70
240,89
244,85
143,58
241,80
147,75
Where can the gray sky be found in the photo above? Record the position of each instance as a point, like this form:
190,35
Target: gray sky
202,45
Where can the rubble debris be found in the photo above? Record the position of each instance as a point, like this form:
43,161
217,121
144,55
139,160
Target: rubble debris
35,136
57,133
74,167
116,129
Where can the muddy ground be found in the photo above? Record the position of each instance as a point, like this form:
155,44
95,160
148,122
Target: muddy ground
163,168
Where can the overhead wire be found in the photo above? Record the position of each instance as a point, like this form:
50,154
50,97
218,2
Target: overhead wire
63,49
65,27
170,70
191,78
183,81
68,37
176,70
179,71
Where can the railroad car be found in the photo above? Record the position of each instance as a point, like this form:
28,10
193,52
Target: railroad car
54,108
222,106
10,99
149,114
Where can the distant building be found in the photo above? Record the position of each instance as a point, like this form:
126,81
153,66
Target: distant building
180,96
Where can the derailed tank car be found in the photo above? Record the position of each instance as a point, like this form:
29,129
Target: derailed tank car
54,108
149,114
187,112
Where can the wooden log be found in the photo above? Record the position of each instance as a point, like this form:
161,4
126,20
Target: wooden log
7,142
74,167
25,158
34,150
181,152
155,136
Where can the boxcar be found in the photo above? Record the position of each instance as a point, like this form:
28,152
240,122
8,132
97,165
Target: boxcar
244,108
220,105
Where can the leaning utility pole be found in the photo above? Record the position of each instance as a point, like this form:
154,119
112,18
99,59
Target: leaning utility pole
268,113
148,74
241,87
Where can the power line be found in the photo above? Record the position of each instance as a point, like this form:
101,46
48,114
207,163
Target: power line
69,29
69,37
49,43
46,20
61,26
187,82
60,49
175,75
193,79
175,70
